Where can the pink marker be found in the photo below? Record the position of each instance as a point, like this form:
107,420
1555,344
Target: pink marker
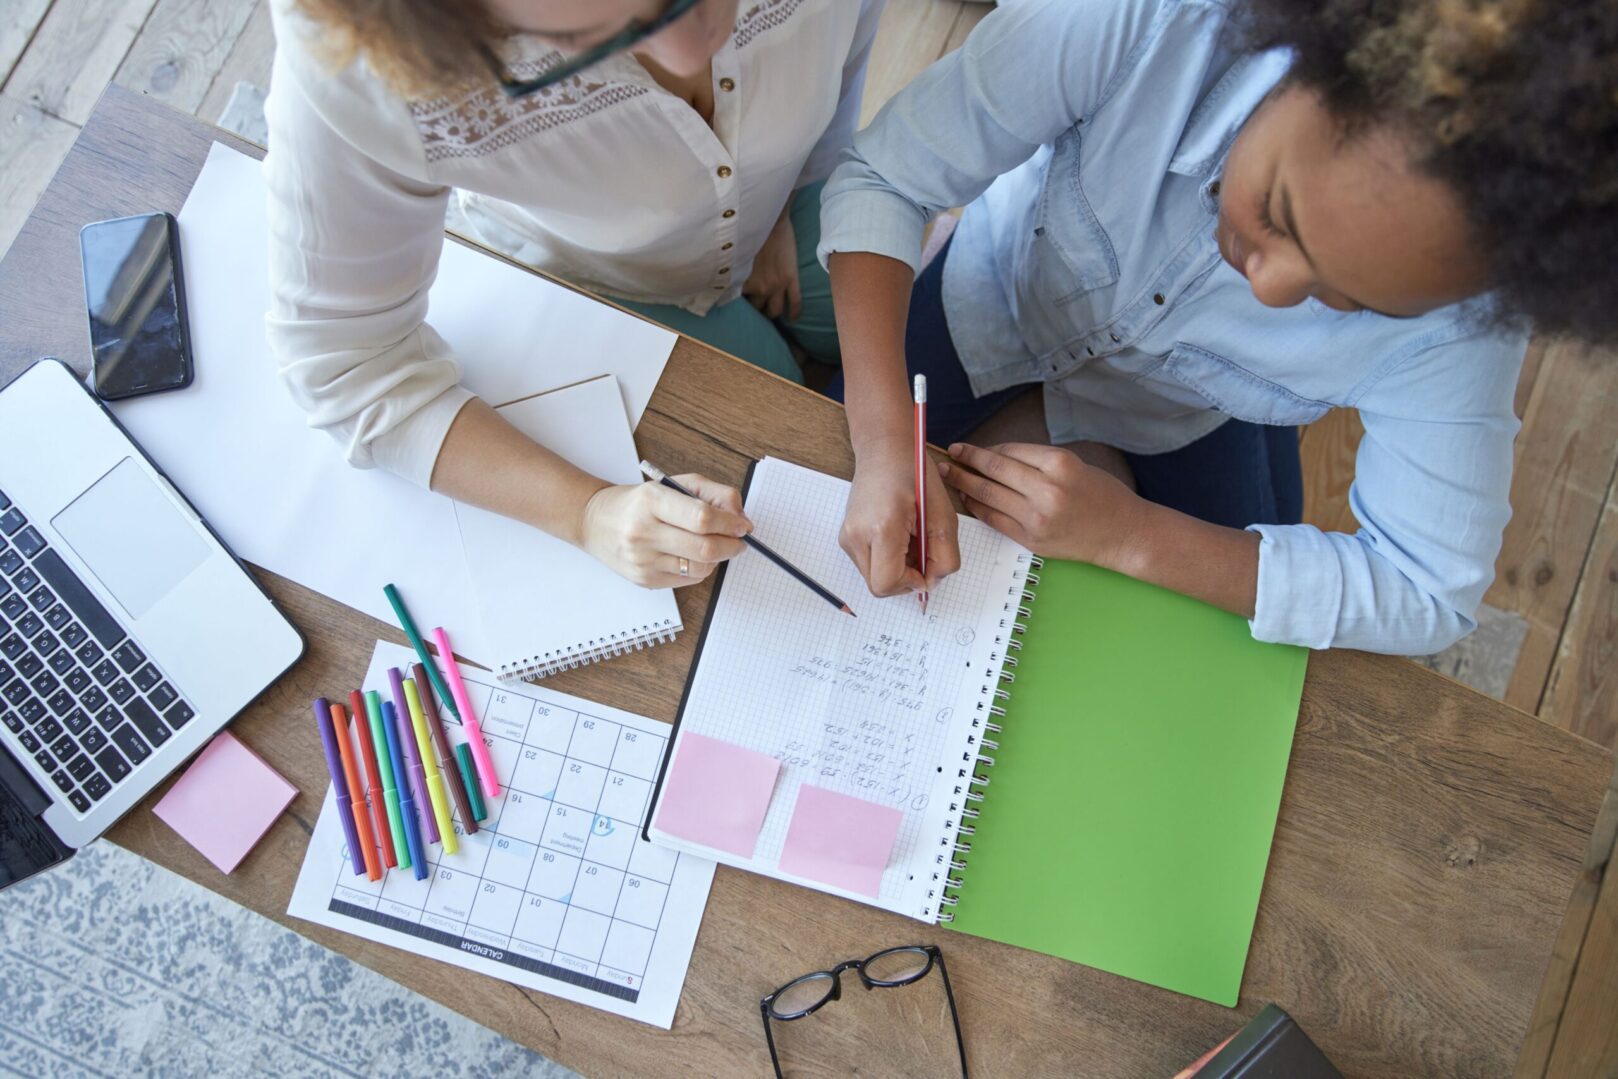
474,735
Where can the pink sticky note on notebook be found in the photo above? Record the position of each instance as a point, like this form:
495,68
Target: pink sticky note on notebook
839,840
717,794
226,801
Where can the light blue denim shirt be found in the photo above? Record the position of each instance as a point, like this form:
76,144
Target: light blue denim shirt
1088,139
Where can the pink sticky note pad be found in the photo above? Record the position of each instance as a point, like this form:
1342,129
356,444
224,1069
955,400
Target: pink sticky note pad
226,801
839,840
717,794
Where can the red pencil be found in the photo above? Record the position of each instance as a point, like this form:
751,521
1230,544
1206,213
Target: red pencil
373,776
920,386
362,822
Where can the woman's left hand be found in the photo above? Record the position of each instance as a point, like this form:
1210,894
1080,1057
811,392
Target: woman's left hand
773,285
1048,500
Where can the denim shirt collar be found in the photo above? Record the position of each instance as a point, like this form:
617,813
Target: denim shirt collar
1219,116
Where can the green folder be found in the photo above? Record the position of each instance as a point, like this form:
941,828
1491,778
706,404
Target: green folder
1134,792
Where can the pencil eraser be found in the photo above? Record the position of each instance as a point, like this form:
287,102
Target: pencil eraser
226,801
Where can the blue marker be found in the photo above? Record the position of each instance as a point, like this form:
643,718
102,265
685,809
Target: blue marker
407,804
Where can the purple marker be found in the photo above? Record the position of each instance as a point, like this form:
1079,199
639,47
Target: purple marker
407,742
334,765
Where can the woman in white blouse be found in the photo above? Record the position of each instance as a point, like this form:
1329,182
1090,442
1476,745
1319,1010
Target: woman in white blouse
668,154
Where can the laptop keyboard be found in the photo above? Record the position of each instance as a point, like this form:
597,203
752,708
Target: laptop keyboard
80,696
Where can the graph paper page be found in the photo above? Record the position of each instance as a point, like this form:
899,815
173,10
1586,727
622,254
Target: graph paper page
887,707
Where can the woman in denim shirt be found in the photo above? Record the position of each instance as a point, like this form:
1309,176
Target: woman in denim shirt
1199,224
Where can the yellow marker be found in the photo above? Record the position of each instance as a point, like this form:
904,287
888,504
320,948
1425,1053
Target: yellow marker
429,765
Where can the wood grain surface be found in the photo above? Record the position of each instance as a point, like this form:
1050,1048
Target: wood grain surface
31,143
1428,841
74,53
1566,454
1582,694
1587,1020
181,48
249,60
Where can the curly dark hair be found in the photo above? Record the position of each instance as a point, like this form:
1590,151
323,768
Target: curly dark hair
1513,103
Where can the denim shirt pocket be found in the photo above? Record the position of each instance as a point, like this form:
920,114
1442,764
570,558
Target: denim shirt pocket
1238,392
1069,252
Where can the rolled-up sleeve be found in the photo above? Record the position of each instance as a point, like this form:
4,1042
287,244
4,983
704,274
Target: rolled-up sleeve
1027,73
1431,492
354,248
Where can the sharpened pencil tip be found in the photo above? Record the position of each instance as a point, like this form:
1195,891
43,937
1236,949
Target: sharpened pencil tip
849,611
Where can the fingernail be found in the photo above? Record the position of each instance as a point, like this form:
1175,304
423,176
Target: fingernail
955,449
943,468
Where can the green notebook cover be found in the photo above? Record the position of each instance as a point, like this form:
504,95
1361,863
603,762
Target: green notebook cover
1131,805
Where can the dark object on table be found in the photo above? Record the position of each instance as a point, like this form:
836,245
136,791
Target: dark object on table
1272,1046
887,969
135,298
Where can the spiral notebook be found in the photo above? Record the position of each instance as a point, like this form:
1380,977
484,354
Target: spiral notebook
1052,756
565,609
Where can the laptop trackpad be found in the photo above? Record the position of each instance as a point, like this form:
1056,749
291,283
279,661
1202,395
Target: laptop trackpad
132,536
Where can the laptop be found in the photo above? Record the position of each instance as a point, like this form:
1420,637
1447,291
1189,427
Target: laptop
129,634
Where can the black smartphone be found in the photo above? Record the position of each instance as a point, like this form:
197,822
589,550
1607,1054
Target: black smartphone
136,299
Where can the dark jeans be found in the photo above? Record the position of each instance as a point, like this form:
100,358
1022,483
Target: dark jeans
1239,474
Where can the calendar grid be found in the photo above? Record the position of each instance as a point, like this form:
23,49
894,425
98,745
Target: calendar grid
542,885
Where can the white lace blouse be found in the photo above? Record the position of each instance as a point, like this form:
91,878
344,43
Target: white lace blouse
607,180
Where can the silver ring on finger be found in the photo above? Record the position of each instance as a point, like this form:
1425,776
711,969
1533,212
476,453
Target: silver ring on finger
685,567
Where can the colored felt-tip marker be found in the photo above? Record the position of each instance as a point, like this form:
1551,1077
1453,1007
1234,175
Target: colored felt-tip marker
412,856
436,798
339,782
371,770
463,757
408,624
446,758
385,803
413,765
468,716
351,772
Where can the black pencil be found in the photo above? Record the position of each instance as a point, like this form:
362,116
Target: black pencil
655,473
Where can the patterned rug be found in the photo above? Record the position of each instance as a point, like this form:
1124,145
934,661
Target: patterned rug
111,966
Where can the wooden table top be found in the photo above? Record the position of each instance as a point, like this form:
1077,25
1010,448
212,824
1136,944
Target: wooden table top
1428,840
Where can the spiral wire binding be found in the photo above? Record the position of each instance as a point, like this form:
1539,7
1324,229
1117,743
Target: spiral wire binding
584,652
974,783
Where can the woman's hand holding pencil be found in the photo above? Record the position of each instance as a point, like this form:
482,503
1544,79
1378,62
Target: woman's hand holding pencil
661,538
663,480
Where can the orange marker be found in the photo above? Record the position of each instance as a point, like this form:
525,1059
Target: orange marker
362,821
373,776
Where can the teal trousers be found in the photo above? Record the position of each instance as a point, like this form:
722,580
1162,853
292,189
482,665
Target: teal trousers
741,330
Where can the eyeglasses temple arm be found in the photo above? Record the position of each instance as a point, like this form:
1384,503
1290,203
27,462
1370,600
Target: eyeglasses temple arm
769,1039
955,1016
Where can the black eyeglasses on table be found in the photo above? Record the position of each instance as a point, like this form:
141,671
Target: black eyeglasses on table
637,31
885,970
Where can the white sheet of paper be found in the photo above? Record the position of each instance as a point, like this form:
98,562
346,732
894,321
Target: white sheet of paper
583,603
885,708
280,494
556,891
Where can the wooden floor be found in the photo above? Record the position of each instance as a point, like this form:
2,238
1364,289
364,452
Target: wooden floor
1558,569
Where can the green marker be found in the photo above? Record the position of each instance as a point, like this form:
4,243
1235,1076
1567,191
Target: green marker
407,624
390,787
463,757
